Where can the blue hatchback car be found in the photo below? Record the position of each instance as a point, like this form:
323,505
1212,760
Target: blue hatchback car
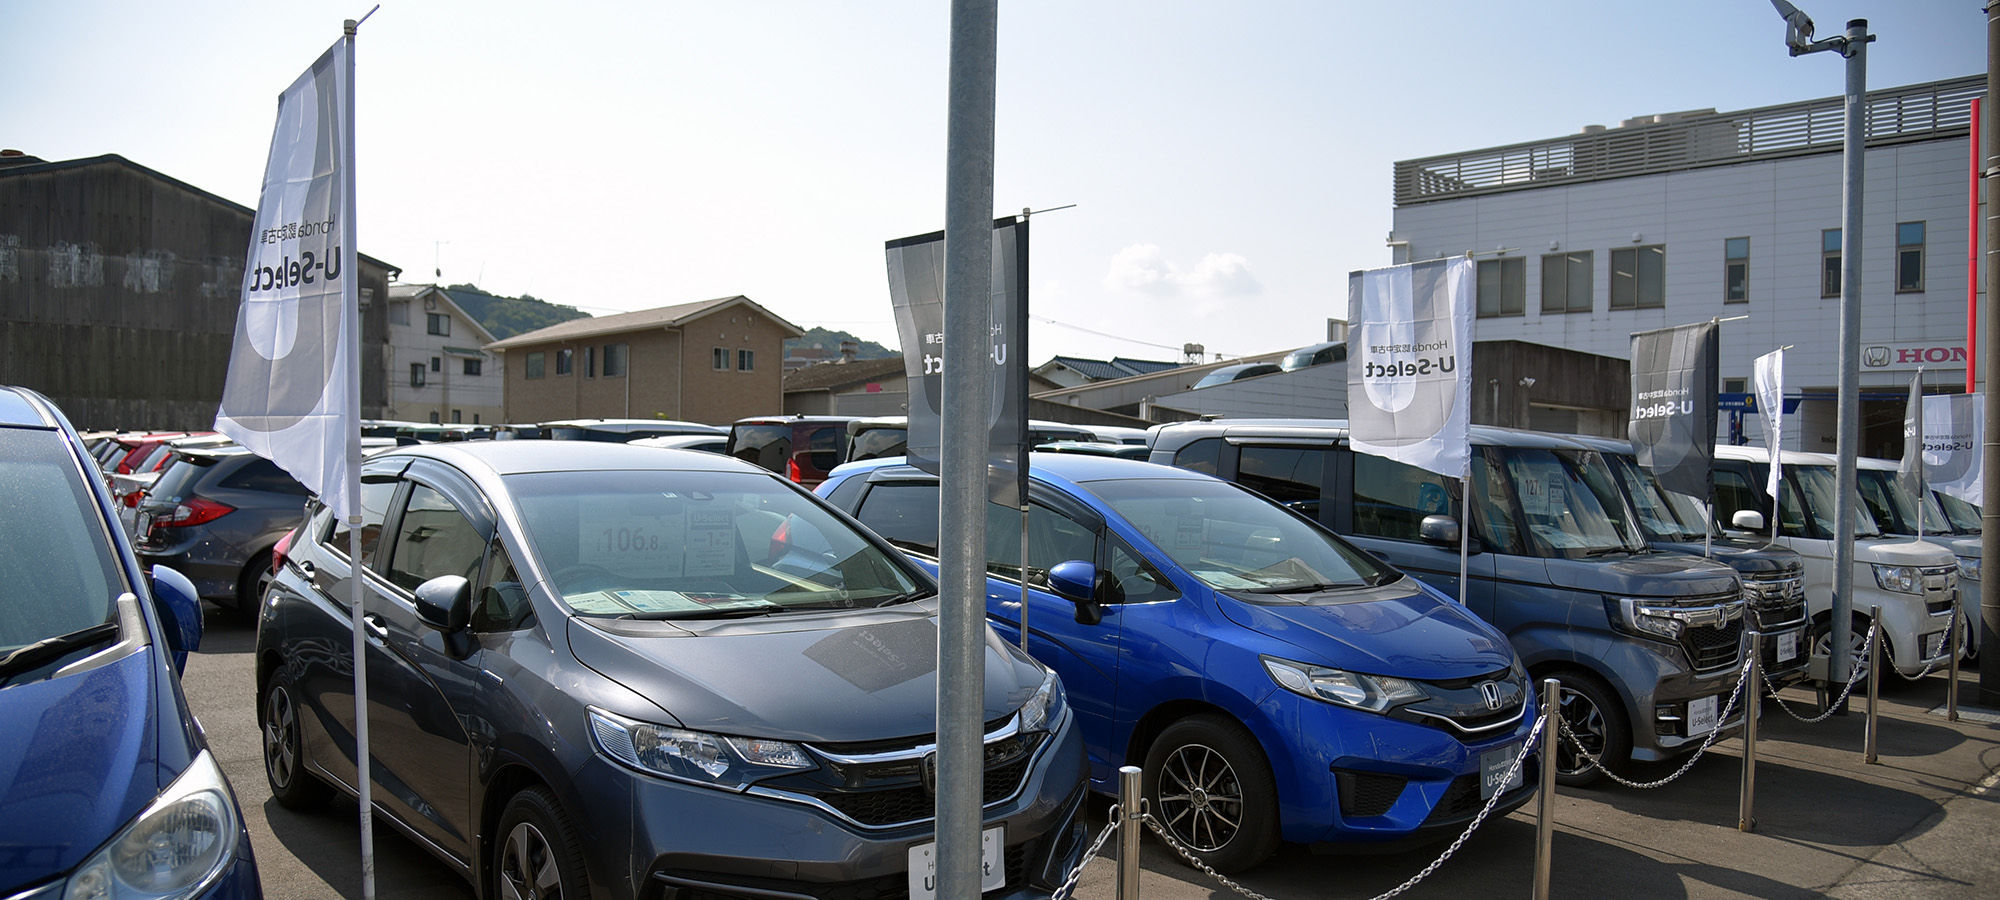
107,787
1274,682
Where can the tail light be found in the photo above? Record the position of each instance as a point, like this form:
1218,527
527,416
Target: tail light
281,550
193,511
792,471
131,499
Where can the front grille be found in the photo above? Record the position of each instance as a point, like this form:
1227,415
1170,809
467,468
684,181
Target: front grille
1940,588
886,786
1714,646
1365,794
1777,600
1459,706
1462,801
697,885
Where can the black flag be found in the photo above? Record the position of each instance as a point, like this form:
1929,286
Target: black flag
1673,405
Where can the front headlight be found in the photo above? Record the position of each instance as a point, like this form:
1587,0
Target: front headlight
714,760
1901,579
1374,693
1968,568
1650,619
178,846
1044,707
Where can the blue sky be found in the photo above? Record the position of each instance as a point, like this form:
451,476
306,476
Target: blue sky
1229,162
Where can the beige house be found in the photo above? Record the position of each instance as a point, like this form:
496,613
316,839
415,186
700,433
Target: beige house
713,361
437,371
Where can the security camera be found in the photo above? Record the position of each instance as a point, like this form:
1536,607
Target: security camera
1798,26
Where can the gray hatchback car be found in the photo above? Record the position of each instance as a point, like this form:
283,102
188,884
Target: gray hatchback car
604,670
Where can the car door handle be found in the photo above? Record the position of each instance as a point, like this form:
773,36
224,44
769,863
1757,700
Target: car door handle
376,624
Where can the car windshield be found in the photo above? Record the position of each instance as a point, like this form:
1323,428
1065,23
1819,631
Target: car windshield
1561,500
1893,507
1234,540
1663,515
57,572
662,544
1821,495
1965,517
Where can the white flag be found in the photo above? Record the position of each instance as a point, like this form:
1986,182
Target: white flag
1770,383
1955,445
291,394
1409,378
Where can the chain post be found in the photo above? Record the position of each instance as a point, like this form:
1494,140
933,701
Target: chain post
1545,821
1951,686
1746,819
1129,833
1874,685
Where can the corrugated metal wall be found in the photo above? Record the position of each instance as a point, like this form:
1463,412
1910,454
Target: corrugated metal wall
119,291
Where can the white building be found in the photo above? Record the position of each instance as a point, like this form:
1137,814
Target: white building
437,373
1679,218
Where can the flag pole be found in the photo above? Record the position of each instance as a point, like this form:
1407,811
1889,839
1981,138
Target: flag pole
350,303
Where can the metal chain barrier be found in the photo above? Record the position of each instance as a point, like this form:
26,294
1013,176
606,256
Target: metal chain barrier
1741,677
1931,666
1853,679
1527,746
1063,893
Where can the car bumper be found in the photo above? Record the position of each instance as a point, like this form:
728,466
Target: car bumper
1346,776
745,844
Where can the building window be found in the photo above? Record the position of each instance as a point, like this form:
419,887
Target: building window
1566,282
434,417
1503,287
590,361
475,418
457,418
399,312
472,367
439,324
1829,263
746,360
1736,270
614,360
1639,277
536,361
565,361
1909,257
416,375
437,365
721,359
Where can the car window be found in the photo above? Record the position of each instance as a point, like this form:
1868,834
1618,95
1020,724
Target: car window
1290,475
376,492
1493,494
178,480
904,514
503,599
1234,540
1203,456
57,571
768,446
433,538
875,443
1137,581
263,475
1052,538
1391,498
823,445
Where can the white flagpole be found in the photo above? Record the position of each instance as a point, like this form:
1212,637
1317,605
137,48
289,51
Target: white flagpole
350,303
1464,529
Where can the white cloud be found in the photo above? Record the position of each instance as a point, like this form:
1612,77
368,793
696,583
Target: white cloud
1144,269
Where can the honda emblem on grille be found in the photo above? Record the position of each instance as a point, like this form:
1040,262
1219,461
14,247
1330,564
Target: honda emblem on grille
929,767
1491,691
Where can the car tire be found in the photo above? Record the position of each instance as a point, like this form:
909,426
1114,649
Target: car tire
538,854
255,579
1597,718
1207,783
284,751
1820,638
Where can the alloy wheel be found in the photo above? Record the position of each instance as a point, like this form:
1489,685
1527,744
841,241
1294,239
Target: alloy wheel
1201,801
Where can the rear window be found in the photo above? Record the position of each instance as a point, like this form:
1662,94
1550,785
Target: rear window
876,443
263,475
178,480
764,445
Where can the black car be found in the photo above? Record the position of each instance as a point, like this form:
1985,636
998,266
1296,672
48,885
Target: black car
215,516
622,671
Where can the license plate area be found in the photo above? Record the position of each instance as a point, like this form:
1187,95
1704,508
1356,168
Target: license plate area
1493,771
1701,715
1788,646
992,864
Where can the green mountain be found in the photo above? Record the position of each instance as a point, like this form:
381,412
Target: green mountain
830,340
505,317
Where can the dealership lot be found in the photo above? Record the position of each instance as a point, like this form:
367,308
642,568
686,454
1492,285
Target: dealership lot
1919,824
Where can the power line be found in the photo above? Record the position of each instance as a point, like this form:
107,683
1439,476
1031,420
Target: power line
1115,337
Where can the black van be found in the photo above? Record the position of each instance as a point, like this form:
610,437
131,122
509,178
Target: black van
1646,644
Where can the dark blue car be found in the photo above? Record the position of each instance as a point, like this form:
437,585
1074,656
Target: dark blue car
107,788
1274,682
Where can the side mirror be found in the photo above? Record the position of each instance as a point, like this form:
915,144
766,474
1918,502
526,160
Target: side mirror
445,603
1747,520
1076,581
179,609
1439,530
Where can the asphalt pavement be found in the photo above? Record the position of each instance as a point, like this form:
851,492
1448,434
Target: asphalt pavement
1923,822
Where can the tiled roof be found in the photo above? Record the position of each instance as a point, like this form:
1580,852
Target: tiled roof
832,376
661,317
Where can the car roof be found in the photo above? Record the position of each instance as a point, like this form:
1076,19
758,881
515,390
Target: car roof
778,420
1336,429
634,425
518,457
1056,468
23,407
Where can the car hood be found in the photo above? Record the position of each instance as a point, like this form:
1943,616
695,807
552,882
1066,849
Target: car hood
1890,551
1644,575
1398,629
78,759
1746,557
826,677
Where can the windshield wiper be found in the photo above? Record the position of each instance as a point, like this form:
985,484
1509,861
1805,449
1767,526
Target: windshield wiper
23,658
1607,551
762,608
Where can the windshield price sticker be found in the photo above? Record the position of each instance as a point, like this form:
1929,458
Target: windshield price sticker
1493,765
1788,646
1701,716
992,869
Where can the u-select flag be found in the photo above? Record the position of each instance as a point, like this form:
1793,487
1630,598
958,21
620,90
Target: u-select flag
1409,362
1673,405
290,395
